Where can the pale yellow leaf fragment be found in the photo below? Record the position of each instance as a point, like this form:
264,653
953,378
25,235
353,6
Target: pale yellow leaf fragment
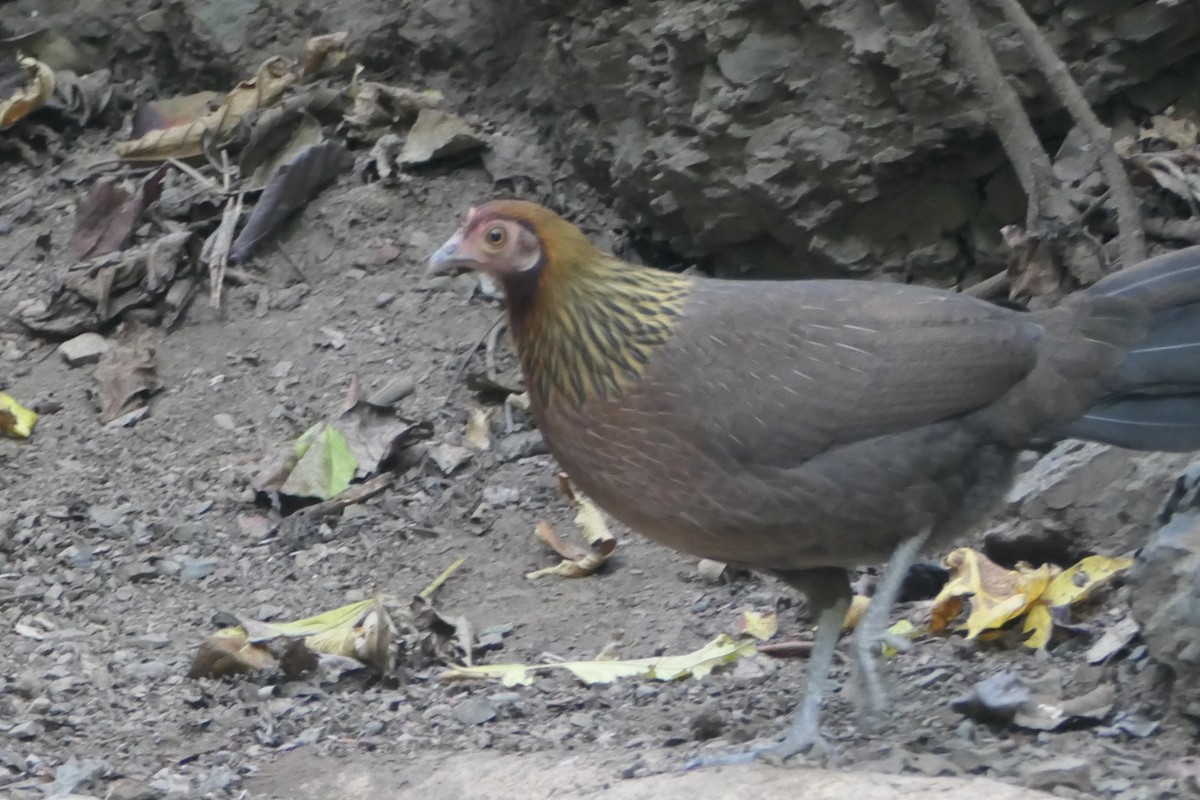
478,429
15,419
761,626
721,650
24,100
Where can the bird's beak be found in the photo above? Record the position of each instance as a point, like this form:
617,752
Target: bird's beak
448,260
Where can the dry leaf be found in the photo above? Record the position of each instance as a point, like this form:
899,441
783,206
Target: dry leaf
326,50
126,378
278,135
436,135
998,595
577,562
289,188
362,631
107,217
377,107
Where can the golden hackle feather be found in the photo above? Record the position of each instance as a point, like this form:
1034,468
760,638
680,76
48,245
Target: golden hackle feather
590,324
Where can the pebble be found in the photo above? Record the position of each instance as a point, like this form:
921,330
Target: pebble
393,391
384,299
501,496
25,731
152,641
103,516
1072,771
147,670
474,711
225,422
708,723
194,569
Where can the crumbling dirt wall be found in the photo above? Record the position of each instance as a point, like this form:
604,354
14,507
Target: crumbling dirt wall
834,135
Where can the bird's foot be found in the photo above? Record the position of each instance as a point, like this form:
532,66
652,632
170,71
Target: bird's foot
803,736
775,754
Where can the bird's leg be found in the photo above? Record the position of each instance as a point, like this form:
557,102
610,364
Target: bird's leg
873,625
828,593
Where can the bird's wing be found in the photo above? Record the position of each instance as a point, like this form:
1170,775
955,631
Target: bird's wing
787,370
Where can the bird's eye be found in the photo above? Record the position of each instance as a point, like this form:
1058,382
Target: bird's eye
495,235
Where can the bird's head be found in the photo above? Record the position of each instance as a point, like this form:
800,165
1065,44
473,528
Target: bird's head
511,240
584,321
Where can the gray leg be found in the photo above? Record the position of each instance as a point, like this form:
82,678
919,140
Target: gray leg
874,622
828,593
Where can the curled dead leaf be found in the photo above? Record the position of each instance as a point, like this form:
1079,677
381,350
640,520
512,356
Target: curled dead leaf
24,90
185,139
577,562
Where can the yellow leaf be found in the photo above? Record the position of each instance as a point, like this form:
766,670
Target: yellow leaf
24,100
997,595
1039,624
858,605
901,628
1077,583
760,626
15,420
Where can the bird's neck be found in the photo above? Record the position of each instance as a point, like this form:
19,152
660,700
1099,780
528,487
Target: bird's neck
587,330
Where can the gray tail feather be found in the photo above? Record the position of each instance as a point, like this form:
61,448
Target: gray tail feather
1155,402
1168,423
1165,281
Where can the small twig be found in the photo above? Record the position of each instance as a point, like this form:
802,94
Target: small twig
295,267
427,593
221,242
194,174
352,496
1131,236
1048,210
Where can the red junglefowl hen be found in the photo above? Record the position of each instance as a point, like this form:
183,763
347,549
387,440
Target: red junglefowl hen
801,428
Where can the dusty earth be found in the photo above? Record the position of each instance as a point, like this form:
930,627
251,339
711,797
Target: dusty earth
118,547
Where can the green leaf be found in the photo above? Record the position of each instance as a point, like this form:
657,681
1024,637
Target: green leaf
325,467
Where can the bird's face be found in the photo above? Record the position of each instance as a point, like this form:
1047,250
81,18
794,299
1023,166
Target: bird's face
500,246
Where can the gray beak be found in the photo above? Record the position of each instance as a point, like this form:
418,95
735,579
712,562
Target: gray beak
447,260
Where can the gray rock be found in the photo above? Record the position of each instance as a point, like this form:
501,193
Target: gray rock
1081,499
86,348
25,731
1073,771
194,569
1166,591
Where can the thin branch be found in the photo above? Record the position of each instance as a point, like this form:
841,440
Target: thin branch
1131,237
1049,210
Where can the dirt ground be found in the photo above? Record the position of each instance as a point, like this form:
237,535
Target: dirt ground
118,547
